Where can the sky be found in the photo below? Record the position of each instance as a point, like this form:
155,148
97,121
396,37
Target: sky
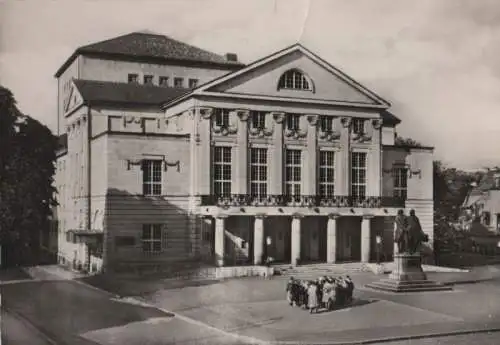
436,61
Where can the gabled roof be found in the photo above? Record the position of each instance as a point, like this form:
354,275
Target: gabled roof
389,119
125,93
142,45
204,89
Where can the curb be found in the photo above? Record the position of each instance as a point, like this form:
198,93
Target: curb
47,337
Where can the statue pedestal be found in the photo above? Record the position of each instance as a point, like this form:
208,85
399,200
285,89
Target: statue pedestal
408,276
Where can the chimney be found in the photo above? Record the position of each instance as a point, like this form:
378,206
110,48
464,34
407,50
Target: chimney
231,57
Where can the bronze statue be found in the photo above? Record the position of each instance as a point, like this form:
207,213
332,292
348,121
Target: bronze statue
409,234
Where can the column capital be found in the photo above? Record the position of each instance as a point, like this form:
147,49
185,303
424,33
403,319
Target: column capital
279,117
346,122
312,119
221,216
334,216
377,123
205,112
243,114
260,216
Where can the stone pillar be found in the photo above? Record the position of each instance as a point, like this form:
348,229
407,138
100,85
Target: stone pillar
375,162
331,238
258,239
219,238
203,161
311,157
344,163
241,152
395,248
295,242
365,238
276,157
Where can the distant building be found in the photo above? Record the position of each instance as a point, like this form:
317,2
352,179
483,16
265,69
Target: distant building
178,154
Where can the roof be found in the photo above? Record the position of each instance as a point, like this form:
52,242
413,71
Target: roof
389,118
149,46
126,93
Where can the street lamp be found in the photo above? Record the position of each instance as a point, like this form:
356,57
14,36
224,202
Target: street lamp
378,241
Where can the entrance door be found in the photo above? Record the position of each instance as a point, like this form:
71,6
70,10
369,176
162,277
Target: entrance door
314,244
348,245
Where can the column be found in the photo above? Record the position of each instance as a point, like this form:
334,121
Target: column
295,240
203,161
311,157
276,159
344,163
219,240
365,238
331,238
241,152
258,239
375,166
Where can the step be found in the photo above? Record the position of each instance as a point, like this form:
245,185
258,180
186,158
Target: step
390,285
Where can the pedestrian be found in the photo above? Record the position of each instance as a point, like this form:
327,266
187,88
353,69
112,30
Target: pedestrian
289,291
312,297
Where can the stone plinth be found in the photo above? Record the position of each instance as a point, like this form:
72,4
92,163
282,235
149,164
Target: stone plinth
408,276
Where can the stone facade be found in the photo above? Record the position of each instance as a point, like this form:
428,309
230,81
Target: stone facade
143,185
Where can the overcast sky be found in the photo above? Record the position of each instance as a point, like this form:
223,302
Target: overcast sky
436,61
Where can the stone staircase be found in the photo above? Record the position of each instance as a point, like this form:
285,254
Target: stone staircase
313,271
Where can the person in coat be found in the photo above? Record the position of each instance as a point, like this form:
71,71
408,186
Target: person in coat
290,289
312,297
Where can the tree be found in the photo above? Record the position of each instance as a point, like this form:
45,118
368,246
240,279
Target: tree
27,156
400,141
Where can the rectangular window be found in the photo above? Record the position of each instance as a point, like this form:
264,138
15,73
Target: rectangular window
400,175
148,80
222,117
327,173
151,177
163,81
258,119
152,238
193,83
222,170
258,172
326,123
292,122
358,126
179,82
133,78
293,165
358,174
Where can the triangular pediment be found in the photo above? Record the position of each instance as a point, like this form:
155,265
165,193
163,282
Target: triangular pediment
261,79
72,99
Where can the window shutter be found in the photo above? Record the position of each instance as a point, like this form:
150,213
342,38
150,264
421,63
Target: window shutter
164,239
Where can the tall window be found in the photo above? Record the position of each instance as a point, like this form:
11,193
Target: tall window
151,177
222,117
326,173
326,123
133,78
358,126
148,80
222,170
292,122
293,166
152,238
258,172
258,119
293,79
400,182
358,174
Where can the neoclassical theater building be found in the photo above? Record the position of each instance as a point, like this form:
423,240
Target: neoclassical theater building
170,153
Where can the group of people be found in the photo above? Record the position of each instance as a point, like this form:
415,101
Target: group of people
324,292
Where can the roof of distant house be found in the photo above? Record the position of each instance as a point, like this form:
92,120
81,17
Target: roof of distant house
126,93
149,46
389,118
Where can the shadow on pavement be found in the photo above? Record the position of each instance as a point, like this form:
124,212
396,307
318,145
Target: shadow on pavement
10,274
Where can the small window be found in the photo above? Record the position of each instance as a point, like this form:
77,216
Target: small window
133,78
358,126
258,119
179,82
222,117
294,80
292,122
163,81
193,83
326,123
152,239
148,80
